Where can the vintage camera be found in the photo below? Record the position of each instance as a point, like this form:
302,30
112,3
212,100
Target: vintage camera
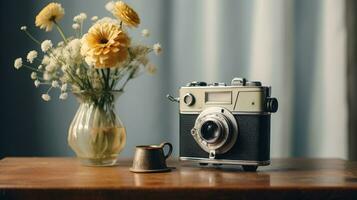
223,124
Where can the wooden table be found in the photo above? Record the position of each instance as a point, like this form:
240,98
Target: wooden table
65,178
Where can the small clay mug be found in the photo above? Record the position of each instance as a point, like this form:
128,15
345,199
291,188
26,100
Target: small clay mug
151,158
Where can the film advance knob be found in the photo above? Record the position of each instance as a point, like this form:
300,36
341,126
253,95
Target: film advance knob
271,105
189,99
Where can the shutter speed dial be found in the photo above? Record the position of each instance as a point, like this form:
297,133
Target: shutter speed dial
189,99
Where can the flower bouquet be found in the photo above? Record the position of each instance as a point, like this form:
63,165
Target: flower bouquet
95,67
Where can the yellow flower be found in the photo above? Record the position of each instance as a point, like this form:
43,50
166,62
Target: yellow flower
53,12
105,45
126,14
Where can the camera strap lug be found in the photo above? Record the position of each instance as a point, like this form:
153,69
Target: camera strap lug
173,99
212,154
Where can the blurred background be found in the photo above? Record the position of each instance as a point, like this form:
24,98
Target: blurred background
304,49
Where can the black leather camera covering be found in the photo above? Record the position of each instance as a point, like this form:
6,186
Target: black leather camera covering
253,141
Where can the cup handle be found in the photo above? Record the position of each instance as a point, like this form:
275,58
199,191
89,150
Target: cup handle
162,145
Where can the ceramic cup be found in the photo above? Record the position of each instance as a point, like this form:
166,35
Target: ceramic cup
151,158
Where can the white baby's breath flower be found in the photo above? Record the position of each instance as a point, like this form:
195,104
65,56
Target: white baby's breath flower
97,84
80,18
139,50
46,45
63,96
93,73
37,83
50,68
151,68
66,54
65,78
144,60
31,56
83,16
76,26
23,28
145,33
46,97
76,18
108,20
134,63
64,67
18,63
94,18
110,6
60,44
46,60
56,55
157,48
52,65
72,53
33,75
64,87
90,73
89,61
75,88
40,67
55,84
75,46
47,76
79,71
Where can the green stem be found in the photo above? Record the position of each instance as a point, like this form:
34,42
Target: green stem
101,79
81,32
97,71
71,75
127,80
60,31
87,80
108,78
43,83
113,81
81,80
49,89
41,79
32,68
53,56
38,60
32,38
105,78
76,32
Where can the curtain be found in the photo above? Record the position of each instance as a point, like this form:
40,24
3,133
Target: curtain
297,47
351,16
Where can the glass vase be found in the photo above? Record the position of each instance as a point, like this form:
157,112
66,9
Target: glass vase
96,134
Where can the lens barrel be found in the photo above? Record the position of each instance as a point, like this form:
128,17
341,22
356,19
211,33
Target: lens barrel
215,129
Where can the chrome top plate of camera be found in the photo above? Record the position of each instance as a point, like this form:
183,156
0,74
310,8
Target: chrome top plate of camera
242,96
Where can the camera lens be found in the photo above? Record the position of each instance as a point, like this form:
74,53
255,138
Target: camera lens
210,131
215,129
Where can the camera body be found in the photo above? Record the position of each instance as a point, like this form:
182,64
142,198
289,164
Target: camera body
223,124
